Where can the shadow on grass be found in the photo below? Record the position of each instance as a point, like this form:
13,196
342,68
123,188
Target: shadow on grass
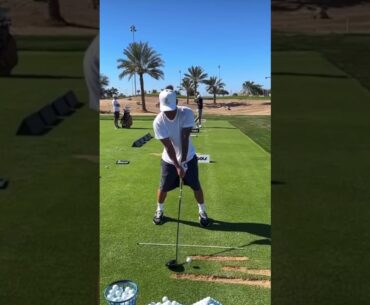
277,182
260,229
310,74
260,242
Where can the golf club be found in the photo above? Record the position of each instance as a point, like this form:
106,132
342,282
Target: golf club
173,264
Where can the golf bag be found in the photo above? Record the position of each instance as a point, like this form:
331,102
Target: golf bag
126,120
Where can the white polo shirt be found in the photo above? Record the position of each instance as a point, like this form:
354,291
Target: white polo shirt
166,128
115,105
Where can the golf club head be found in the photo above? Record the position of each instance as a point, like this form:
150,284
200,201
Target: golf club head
173,265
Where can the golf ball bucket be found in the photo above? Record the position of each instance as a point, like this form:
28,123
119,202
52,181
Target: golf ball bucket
122,284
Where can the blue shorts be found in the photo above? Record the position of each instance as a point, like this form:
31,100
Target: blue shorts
170,179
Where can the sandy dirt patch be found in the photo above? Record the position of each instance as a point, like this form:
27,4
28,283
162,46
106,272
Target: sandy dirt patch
221,280
31,17
348,19
237,107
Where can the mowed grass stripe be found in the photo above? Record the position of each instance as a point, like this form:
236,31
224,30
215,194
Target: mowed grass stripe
237,191
324,162
47,214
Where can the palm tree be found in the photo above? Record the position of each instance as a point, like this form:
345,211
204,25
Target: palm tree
187,85
141,59
104,82
251,88
197,75
214,85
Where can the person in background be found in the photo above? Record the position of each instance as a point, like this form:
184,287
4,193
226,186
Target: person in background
199,102
8,46
115,108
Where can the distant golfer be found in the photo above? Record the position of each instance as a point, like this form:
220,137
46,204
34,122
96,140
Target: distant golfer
8,46
172,127
199,102
115,107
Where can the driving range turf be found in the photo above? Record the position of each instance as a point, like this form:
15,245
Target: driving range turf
237,194
48,218
321,169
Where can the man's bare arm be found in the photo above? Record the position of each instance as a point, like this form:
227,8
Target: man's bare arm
185,134
172,154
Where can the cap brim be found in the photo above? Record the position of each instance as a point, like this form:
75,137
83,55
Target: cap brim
167,107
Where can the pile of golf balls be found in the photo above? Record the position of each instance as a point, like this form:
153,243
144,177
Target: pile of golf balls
207,301
165,301
118,294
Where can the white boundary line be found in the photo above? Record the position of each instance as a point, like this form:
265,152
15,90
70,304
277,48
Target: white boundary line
190,246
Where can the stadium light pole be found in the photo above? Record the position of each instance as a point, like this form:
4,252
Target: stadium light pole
133,30
180,80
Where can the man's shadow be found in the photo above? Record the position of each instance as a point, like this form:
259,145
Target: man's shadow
259,229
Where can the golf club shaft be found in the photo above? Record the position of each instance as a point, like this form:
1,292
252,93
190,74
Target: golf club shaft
178,220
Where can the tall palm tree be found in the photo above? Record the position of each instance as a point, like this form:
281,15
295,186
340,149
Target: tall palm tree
213,86
187,85
197,75
104,82
141,59
251,88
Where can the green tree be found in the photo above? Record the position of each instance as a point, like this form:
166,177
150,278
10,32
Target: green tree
251,88
111,92
223,92
104,83
213,86
141,59
197,75
187,85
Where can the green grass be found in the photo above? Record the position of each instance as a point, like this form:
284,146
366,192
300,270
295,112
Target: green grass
49,212
238,199
320,156
348,52
53,43
257,127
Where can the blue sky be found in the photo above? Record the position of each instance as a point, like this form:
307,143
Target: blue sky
234,35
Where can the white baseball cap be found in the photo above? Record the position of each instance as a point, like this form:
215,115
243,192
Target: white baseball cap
167,100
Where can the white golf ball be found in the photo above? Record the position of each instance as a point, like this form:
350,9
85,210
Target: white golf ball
164,299
189,259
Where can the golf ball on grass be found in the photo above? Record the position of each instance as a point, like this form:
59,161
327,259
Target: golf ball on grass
189,259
